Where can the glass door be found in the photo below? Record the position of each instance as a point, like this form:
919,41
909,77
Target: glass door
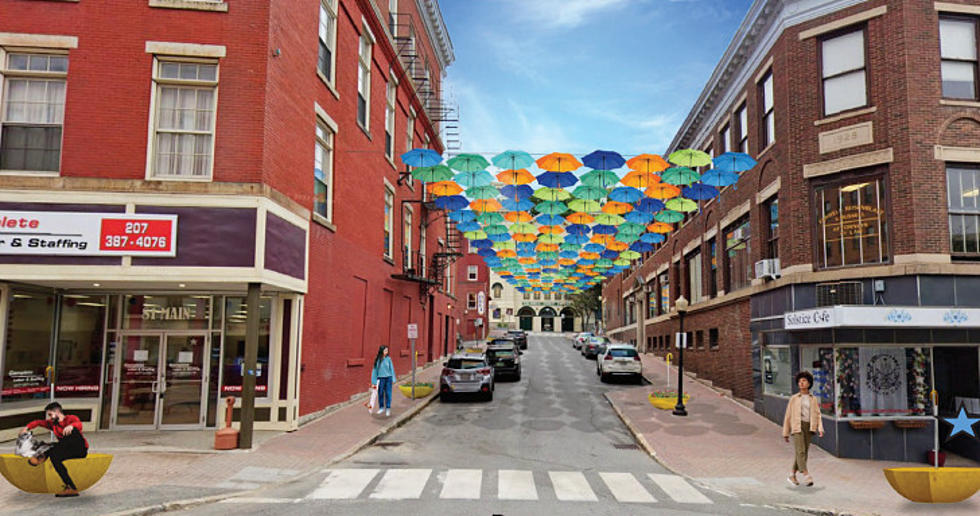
138,374
182,383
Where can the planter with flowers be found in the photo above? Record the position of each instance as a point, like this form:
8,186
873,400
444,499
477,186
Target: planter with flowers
665,400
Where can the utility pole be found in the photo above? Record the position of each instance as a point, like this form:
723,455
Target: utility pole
251,356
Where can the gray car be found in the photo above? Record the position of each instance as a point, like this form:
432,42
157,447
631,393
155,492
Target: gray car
466,373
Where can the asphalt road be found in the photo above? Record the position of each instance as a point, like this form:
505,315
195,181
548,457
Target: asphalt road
549,444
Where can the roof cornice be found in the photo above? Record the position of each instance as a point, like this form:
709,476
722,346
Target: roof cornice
435,26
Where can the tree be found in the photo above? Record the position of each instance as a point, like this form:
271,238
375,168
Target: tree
587,304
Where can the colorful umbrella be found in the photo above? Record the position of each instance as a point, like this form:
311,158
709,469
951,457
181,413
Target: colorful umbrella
512,205
582,205
689,158
681,204
452,202
551,208
482,192
470,225
638,179
468,162
639,217
580,218
444,188
609,218
736,162
649,205
433,174
489,218
552,194
660,227
421,158
653,238
600,178
699,192
617,208
517,193
662,191
557,179
626,194
523,227
600,159
589,192
513,159
525,237
515,177
558,162
679,176
485,205
551,239
475,178
719,178
496,229
632,227
669,216
549,219
647,163
461,215
475,235
518,216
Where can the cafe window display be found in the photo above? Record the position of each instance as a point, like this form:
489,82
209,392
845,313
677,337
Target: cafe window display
777,370
883,381
820,363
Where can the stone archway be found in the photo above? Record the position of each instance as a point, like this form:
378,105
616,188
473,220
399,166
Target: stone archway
525,317
547,315
567,319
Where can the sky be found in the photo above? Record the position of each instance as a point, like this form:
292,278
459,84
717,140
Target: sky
579,75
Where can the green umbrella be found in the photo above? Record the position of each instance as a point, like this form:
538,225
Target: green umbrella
622,261
510,244
600,178
475,235
590,192
629,255
551,239
468,162
495,229
490,217
605,262
433,174
681,204
679,176
547,255
632,228
551,208
513,159
609,219
584,205
482,192
669,216
552,194
523,227
473,178
568,246
628,238
689,158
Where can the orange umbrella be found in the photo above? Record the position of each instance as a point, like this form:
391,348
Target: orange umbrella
486,205
591,273
524,237
507,253
444,188
515,177
566,261
617,246
647,163
504,273
580,218
558,162
547,247
553,230
527,260
662,191
518,216
603,239
589,256
638,179
660,227
533,269
617,208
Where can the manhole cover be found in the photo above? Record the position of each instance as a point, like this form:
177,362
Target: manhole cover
388,444
626,446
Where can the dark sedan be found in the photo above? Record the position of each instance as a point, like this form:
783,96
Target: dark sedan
519,336
590,349
505,358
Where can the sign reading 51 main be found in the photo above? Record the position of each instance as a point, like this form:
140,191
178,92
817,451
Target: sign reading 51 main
87,234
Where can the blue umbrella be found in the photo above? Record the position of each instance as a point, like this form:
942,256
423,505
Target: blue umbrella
733,162
525,246
512,160
469,225
638,217
641,247
649,205
487,252
699,192
452,202
578,229
421,158
719,178
517,192
512,205
483,242
609,254
652,238
557,179
604,160
526,254
602,229
586,262
547,262
576,239
626,194
462,215
499,237
550,220
568,254
594,248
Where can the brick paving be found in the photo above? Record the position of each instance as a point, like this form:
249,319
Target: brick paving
730,447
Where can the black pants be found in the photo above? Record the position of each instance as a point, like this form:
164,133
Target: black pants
71,447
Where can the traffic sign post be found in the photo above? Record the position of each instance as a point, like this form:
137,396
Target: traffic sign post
413,333
670,356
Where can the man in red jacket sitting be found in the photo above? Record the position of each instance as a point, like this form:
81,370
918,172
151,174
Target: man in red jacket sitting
71,444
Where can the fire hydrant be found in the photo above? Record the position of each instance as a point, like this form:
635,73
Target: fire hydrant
227,437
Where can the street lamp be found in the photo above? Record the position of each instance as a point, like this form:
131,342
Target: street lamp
681,306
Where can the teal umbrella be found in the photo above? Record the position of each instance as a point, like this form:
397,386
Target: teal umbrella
482,192
668,216
600,178
433,174
490,217
473,178
679,176
513,160
551,208
632,228
495,229
628,238
468,162
589,192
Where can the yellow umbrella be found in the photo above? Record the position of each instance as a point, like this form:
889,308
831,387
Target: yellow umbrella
515,177
558,162
617,208
663,191
444,188
647,163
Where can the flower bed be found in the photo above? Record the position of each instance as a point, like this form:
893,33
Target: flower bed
421,389
665,400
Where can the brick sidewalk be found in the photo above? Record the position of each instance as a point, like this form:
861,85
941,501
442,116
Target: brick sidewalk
733,449
140,482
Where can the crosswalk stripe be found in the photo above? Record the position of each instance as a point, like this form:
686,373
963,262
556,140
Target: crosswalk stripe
571,486
678,488
462,484
516,485
258,500
343,484
401,484
626,488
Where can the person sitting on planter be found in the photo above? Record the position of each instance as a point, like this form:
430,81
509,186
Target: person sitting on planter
71,444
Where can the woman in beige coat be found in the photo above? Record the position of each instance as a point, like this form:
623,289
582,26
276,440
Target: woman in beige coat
802,420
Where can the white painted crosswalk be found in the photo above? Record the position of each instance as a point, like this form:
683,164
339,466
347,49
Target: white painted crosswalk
472,484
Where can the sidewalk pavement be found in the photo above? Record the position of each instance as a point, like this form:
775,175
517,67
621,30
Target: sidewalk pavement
150,474
730,448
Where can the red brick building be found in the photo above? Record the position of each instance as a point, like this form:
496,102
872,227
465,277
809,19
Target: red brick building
474,296
851,249
169,153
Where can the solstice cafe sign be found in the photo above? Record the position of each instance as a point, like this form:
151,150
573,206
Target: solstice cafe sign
881,317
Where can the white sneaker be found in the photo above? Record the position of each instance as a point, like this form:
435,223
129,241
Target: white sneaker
387,412
380,410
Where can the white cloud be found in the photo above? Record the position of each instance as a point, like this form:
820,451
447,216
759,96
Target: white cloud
561,14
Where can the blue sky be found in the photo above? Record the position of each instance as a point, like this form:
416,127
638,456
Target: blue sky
579,75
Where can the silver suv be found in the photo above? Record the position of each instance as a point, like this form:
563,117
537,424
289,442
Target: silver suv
466,373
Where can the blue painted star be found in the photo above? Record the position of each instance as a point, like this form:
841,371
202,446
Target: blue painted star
962,423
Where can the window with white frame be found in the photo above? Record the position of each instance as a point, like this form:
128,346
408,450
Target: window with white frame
843,72
726,137
742,116
693,266
958,46
422,248
767,126
183,123
410,131
365,47
407,238
963,191
33,110
472,273
389,213
392,19
391,89
323,171
326,54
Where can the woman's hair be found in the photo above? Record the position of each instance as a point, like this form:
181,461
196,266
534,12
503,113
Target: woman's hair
804,374
380,356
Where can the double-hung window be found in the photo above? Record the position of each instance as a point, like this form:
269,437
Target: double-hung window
742,117
726,138
326,54
32,111
472,272
407,239
712,267
365,47
851,223
771,212
843,72
693,267
963,187
185,99
471,301
767,120
958,44
389,218
323,171
663,282
392,18
391,89
738,255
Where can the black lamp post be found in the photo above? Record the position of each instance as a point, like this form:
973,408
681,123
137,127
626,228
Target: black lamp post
681,306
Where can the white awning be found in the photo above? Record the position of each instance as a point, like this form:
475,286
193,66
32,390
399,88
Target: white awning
881,317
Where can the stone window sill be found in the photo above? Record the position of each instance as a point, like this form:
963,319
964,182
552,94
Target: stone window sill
191,5
325,222
328,84
365,131
961,103
845,116
763,151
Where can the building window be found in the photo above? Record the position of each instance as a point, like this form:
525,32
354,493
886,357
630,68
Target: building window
328,39
664,282
713,267
392,20
472,272
958,44
767,120
963,185
423,249
851,227
742,119
537,295
771,212
30,323
471,301
713,338
699,339
693,266
365,46
738,255
498,290
652,308
390,119
410,132
777,370
911,385
843,72
726,137
389,211
323,171
183,125
407,239
547,296
527,295
33,111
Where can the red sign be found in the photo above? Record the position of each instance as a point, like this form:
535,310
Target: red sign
137,235
24,390
238,388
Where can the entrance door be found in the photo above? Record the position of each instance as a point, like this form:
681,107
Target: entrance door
182,384
547,324
139,375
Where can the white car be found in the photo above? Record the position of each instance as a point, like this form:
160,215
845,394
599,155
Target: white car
580,339
619,360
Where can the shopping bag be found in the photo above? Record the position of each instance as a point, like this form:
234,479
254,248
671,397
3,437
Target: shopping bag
374,398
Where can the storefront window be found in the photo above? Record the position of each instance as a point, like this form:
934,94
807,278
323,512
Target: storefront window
652,304
80,338
26,356
851,224
738,255
820,362
234,354
883,381
777,371
166,312
664,292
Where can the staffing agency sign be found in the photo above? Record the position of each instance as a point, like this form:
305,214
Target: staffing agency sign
47,233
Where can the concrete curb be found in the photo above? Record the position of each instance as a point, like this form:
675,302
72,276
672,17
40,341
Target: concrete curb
177,505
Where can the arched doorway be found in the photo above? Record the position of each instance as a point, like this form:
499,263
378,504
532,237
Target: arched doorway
547,315
526,317
567,319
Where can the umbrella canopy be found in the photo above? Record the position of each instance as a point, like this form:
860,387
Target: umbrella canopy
600,178
551,239
652,238
604,229
647,163
582,205
475,235
589,192
662,191
580,218
433,174
669,216
475,178
512,205
719,178
421,158
523,227
736,162
558,162
513,159
578,229
499,238
551,208
525,237
552,194
468,162
700,192
557,179
689,158
660,227
470,225
618,246
649,205
452,202
496,229
552,230
681,204
550,219
482,192
639,217
444,188
632,228
515,177
629,255
517,193
519,216
600,159
617,208
489,218
484,205
626,194
609,218
639,179
679,176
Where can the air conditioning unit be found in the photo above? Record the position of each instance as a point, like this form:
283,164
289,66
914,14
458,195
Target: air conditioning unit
767,268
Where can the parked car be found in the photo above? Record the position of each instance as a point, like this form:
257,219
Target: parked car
505,358
466,373
580,339
590,349
619,360
519,336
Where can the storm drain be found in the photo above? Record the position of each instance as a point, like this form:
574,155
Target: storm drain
626,446
388,444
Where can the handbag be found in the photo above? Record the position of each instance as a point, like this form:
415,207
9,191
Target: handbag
374,398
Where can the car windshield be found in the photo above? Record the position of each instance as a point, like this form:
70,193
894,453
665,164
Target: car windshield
623,352
465,363
503,342
500,353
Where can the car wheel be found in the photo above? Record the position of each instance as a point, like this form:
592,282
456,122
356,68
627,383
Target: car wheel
443,397
489,396
639,378
604,378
